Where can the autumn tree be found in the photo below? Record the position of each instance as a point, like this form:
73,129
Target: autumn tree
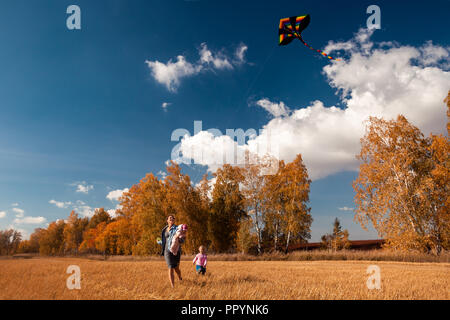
447,101
145,208
115,238
73,232
294,191
100,215
246,239
272,206
51,241
437,188
106,241
31,245
252,190
402,187
9,241
185,202
88,245
337,239
286,202
204,191
227,208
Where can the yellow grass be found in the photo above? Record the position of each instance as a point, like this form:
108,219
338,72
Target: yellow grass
45,278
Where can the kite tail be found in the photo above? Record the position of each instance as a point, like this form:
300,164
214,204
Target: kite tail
321,52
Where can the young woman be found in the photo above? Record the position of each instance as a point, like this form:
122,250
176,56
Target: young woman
173,261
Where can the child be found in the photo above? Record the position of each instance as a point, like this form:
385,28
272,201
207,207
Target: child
181,233
201,260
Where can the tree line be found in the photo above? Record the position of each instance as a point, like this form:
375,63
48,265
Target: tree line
238,210
402,190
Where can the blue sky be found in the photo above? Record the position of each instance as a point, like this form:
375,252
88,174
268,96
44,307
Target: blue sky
82,111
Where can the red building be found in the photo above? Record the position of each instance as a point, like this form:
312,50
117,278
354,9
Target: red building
354,244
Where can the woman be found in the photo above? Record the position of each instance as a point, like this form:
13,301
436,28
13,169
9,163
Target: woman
173,261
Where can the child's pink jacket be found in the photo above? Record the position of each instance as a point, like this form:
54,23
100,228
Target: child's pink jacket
201,260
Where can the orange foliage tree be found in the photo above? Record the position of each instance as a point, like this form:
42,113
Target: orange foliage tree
286,196
88,245
73,232
184,201
402,187
227,208
145,208
10,241
51,241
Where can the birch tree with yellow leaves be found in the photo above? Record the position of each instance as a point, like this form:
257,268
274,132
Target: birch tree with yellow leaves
403,185
286,196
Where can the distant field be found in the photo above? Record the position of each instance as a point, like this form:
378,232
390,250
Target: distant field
45,278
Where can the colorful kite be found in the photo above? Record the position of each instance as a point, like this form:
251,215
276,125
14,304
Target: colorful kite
291,28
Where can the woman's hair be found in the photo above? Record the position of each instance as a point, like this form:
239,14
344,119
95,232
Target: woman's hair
170,215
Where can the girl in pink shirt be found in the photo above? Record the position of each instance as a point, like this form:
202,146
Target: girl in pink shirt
200,261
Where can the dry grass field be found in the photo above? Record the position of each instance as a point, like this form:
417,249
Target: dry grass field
45,278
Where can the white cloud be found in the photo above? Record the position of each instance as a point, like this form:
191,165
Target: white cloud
84,210
381,81
209,150
30,220
275,109
15,204
19,212
116,194
345,209
112,212
162,174
170,73
432,54
240,53
2,214
219,61
83,187
60,204
78,206
165,105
